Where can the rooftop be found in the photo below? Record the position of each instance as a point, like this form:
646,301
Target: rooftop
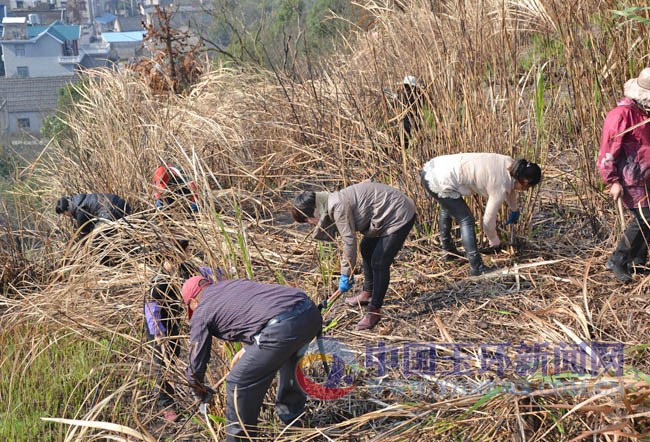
33,94
57,30
106,18
123,37
13,20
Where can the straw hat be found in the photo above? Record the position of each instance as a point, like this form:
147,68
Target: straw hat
639,88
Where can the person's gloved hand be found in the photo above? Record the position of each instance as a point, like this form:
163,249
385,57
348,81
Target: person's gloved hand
345,283
513,218
204,395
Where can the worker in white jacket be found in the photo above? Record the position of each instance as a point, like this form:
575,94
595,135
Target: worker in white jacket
450,177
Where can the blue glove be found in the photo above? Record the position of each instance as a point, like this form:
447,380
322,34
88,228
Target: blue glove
345,283
513,218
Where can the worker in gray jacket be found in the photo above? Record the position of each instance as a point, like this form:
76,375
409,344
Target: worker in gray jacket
382,214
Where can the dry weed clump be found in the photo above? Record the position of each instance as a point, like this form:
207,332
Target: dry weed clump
251,138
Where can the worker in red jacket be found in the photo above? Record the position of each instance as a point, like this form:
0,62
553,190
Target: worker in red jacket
172,185
624,165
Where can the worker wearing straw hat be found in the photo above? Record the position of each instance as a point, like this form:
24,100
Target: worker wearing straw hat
450,177
85,209
411,97
624,165
274,321
382,214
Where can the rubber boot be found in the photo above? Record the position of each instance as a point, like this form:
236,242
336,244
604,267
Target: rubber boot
371,318
362,298
620,271
476,266
449,251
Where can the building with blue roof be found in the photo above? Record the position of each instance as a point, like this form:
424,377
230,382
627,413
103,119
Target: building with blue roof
40,51
38,61
106,21
124,45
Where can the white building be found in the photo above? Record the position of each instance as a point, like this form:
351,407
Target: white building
24,4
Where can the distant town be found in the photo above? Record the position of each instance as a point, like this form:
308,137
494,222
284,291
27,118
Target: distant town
47,45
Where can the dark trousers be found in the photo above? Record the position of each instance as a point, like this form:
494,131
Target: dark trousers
378,255
457,209
634,249
279,349
162,354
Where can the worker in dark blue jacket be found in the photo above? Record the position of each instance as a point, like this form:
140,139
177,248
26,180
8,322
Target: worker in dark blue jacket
86,208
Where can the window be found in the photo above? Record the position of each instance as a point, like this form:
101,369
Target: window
70,48
20,50
20,4
22,72
23,123
16,35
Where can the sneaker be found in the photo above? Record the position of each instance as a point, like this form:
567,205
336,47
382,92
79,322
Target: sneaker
170,415
620,272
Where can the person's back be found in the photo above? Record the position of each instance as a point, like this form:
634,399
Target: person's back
86,208
376,209
99,205
239,308
173,186
466,173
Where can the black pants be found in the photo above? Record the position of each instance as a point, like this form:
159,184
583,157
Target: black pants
634,250
162,354
378,255
457,209
279,348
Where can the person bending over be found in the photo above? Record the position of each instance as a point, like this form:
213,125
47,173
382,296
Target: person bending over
274,322
87,208
450,177
382,214
624,164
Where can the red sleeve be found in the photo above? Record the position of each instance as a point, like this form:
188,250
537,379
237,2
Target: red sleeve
160,177
611,144
194,196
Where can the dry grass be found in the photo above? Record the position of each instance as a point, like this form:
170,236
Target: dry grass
252,138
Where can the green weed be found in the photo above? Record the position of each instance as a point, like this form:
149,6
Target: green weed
50,377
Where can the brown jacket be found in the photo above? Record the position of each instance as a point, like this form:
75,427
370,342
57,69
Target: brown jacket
374,209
